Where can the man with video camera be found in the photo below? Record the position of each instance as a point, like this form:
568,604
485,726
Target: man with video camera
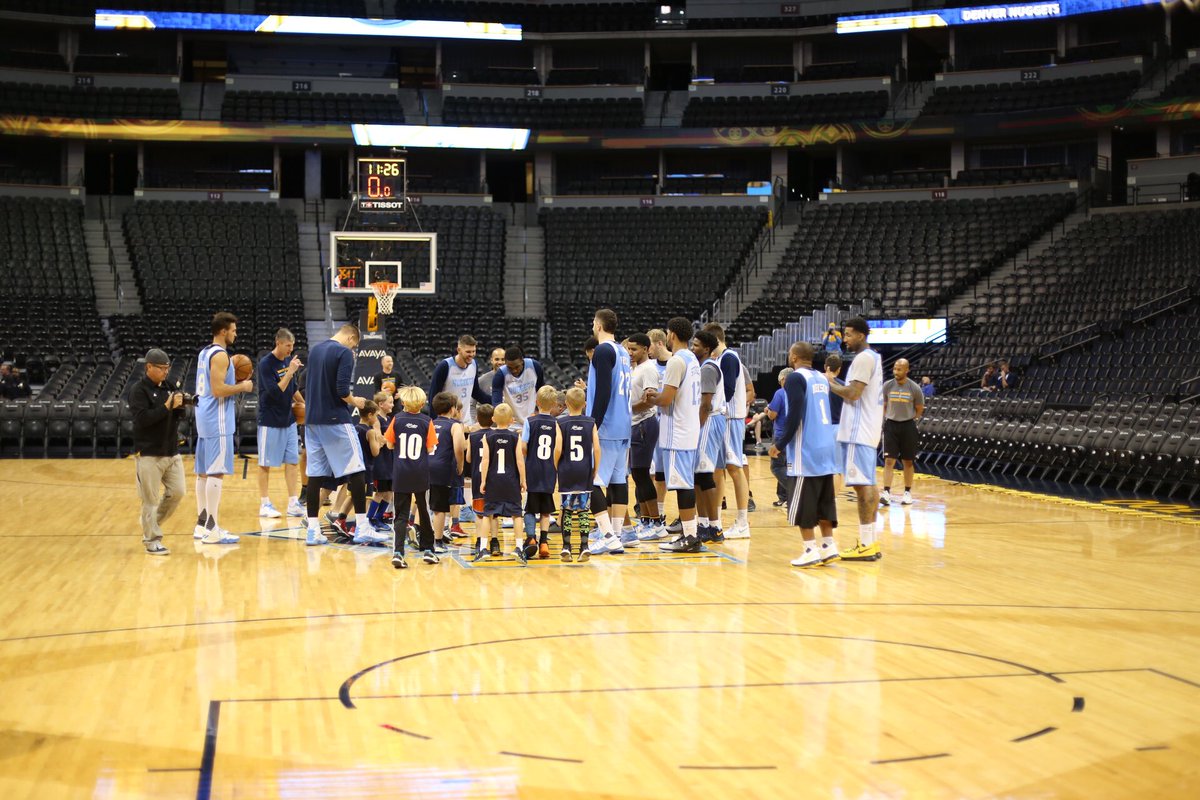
157,410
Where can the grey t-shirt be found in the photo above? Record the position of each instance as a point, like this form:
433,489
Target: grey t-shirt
711,379
903,400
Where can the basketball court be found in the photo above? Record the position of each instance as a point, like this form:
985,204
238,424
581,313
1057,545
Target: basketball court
1008,644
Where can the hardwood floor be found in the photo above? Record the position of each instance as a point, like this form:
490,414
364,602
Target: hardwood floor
1008,645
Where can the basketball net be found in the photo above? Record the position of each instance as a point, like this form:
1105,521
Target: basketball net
384,294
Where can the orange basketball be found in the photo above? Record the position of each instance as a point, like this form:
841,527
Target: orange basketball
243,367
298,410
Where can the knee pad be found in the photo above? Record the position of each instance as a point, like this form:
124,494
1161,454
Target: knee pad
661,477
599,500
705,481
686,498
618,494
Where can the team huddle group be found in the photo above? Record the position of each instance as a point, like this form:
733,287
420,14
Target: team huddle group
666,408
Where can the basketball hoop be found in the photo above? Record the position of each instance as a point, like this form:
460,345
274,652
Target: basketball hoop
385,292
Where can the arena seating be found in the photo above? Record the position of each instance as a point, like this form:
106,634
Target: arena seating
1185,84
256,106
1104,268
703,112
1009,98
493,76
597,257
907,257
101,103
1013,59
994,176
607,112
905,179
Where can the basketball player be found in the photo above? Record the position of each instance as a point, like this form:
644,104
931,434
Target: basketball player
412,437
577,472
859,431
737,405
516,384
540,448
278,440
333,449
659,355
474,457
457,376
679,432
643,383
380,476
608,379
502,473
446,462
215,426
710,456
809,439
903,405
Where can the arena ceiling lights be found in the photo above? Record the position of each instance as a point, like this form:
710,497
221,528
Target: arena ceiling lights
975,15
440,136
107,19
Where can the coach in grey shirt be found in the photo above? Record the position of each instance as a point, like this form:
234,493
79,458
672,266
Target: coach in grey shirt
903,405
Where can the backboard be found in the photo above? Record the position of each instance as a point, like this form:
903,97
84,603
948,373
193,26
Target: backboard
359,258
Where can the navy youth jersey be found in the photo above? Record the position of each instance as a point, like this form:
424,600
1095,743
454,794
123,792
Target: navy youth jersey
443,467
539,434
382,470
575,467
503,479
475,446
412,437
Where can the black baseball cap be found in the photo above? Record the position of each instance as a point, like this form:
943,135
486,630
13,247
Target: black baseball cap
158,357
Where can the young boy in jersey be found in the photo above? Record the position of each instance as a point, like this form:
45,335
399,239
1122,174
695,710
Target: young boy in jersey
540,449
710,457
381,472
371,441
446,463
576,472
412,437
483,417
501,471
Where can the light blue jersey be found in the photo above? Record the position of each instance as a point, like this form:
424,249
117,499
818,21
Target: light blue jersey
214,415
618,416
812,449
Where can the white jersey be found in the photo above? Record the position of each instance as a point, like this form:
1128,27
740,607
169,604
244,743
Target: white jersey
738,408
520,392
862,421
461,383
645,376
719,407
679,425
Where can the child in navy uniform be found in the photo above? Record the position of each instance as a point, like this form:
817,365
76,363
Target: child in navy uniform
483,415
446,462
502,473
371,442
381,473
576,470
540,449
412,438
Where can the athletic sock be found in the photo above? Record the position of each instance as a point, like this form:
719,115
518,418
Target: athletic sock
567,523
743,517
866,533
292,501
201,500
264,500
373,510
662,510
717,522
689,528
827,541
908,488
313,522
701,522
384,505
604,523
213,492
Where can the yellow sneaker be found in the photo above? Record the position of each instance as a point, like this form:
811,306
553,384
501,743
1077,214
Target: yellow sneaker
861,552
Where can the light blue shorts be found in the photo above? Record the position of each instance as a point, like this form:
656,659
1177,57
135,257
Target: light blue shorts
858,463
711,455
680,468
614,462
333,451
214,456
735,438
278,446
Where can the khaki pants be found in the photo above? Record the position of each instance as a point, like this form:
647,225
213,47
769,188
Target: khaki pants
153,472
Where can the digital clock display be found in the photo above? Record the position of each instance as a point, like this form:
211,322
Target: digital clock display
381,184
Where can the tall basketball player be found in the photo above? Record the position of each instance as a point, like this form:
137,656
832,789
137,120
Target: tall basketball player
736,407
516,383
608,404
679,432
457,375
215,426
859,430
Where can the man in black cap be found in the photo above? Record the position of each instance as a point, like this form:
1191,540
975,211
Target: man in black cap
156,411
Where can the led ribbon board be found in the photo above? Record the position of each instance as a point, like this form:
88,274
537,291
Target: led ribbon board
907,331
107,19
440,136
974,15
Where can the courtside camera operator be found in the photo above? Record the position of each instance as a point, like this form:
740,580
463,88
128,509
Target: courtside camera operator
157,410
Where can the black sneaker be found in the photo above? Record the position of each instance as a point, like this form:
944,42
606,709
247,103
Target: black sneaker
480,554
752,507
675,527
429,558
494,547
519,552
584,555
683,544
398,561
565,555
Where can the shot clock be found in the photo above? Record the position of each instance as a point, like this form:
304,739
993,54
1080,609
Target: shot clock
381,185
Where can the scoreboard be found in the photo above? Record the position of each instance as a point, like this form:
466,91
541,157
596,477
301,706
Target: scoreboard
381,185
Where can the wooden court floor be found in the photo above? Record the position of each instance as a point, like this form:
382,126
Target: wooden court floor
1006,646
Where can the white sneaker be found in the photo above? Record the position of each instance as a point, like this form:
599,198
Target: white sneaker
199,532
314,537
269,511
296,510
220,536
653,533
365,533
738,532
885,498
609,543
907,499
810,558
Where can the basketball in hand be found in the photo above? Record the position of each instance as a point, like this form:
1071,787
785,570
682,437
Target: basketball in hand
243,368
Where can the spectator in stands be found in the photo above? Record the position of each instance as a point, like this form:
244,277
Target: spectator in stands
13,385
927,387
776,411
386,380
988,382
1006,379
156,412
832,341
